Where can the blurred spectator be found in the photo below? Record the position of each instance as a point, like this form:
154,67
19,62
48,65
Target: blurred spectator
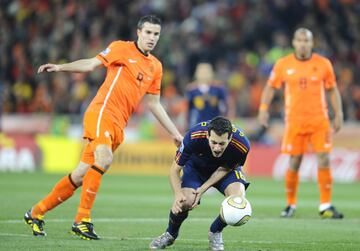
206,97
241,38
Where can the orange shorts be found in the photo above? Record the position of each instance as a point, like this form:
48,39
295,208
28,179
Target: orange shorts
99,131
297,137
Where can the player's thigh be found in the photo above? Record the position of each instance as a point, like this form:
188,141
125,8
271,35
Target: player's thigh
294,142
191,178
323,160
103,139
232,182
321,138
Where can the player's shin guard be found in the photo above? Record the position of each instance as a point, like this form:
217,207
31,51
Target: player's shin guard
90,187
63,190
175,222
291,185
218,225
325,185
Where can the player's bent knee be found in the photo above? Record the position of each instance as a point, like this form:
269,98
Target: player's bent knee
78,174
323,160
186,207
295,162
103,156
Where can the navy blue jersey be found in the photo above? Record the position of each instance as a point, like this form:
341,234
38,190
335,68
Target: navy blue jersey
205,105
195,148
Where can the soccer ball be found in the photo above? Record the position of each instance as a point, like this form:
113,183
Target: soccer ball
235,210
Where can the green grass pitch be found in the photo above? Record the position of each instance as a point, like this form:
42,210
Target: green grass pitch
130,210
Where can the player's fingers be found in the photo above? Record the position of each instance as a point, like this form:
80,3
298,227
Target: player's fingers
41,68
44,67
174,210
196,201
177,209
195,204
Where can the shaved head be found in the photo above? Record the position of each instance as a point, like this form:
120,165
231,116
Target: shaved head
303,31
303,43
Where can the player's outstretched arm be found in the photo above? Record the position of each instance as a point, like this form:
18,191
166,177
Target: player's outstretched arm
220,173
160,114
82,65
266,98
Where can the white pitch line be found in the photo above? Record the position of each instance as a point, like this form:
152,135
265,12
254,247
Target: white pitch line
179,240
17,221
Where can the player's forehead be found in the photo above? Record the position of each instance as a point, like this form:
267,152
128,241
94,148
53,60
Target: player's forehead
303,34
155,28
214,137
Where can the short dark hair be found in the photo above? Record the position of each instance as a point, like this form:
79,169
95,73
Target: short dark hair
220,125
148,19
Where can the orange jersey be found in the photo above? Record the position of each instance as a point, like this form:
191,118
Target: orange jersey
305,83
130,75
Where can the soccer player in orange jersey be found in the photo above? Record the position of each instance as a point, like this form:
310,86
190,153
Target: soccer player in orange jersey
306,76
132,73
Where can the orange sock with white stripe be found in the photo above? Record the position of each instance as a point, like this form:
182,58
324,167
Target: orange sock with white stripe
325,185
90,187
63,190
291,185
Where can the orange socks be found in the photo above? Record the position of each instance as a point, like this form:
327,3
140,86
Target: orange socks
325,185
63,190
91,184
291,185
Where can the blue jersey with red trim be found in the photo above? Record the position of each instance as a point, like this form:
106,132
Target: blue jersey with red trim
195,148
205,105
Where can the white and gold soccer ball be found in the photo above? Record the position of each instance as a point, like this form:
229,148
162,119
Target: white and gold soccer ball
235,210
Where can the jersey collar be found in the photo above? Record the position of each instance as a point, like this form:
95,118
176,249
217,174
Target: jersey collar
305,59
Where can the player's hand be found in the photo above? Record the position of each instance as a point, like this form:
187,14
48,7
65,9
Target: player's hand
48,68
178,202
338,122
263,118
177,140
198,194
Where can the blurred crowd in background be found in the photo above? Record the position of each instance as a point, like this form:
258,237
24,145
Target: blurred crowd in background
242,39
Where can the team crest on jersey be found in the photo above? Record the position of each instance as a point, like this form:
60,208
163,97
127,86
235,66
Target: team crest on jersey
152,68
105,52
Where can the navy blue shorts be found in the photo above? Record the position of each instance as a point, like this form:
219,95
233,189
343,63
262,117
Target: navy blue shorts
193,179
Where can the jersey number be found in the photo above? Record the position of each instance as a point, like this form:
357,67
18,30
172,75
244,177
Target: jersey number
302,83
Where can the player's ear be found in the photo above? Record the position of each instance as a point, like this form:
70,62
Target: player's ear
207,134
